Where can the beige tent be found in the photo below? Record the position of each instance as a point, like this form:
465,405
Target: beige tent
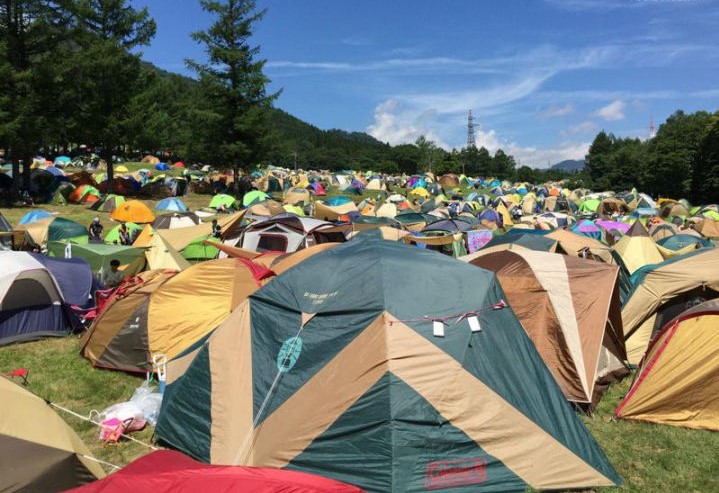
576,245
637,249
570,308
665,290
39,451
332,213
160,255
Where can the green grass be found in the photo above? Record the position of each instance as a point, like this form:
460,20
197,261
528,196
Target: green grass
648,457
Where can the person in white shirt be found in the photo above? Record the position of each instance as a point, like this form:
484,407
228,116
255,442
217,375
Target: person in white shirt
113,277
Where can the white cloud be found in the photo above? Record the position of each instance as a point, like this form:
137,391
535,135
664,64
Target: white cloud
557,111
613,111
584,127
396,125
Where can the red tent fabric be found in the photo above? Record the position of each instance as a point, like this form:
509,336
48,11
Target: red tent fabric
170,471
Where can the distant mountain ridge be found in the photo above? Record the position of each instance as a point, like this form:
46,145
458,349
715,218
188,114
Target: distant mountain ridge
570,165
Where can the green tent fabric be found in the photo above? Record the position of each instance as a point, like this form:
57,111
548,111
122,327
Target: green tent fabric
222,200
65,229
99,255
58,199
198,250
254,197
113,236
108,204
590,205
336,367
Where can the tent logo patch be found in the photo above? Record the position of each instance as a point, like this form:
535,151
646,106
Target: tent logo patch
449,473
289,354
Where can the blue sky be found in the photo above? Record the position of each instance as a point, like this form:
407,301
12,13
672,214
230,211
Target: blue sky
542,77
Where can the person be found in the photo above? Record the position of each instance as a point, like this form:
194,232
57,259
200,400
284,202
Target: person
95,230
124,235
216,229
113,277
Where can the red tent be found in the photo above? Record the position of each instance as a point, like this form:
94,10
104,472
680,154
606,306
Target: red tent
179,164
167,470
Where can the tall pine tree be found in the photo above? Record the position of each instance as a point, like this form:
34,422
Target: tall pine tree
233,123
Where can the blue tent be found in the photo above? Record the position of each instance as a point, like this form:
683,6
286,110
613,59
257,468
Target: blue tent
171,204
162,167
339,200
62,160
34,216
74,278
54,171
32,304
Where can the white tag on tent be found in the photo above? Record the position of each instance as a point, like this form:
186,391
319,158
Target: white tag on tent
474,323
438,328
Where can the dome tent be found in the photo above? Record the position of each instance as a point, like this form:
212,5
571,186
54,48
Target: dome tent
359,378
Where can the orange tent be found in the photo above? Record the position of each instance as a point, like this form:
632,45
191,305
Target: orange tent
133,211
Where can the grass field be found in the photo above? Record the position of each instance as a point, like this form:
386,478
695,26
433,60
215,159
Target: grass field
650,458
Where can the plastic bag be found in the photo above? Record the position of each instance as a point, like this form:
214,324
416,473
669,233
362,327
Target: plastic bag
120,418
148,401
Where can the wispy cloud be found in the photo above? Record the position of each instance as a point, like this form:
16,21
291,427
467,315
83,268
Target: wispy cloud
557,111
585,127
612,112
605,5
390,64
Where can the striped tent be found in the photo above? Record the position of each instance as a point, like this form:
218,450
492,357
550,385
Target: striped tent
353,366
569,306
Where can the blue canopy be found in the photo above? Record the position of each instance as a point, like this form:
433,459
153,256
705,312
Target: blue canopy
34,216
162,167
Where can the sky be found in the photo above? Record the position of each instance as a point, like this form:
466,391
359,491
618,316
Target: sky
541,77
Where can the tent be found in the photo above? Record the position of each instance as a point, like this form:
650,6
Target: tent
108,204
167,470
99,255
172,204
40,451
74,279
297,195
176,220
113,236
31,302
33,216
581,246
662,291
160,255
197,300
162,167
55,228
516,241
448,181
222,200
150,160
336,363
254,197
588,228
637,249
198,249
133,211
570,309
117,338
285,233
328,212
677,382
84,194
4,223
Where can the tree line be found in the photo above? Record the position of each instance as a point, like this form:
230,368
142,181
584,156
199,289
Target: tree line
682,160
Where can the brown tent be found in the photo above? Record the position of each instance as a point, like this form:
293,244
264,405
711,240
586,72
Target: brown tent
449,180
570,308
39,451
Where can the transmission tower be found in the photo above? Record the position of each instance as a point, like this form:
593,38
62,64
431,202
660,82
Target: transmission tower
652,129
471,142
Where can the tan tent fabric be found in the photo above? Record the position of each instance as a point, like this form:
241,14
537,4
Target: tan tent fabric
434,240
576,245
294,196
332,213
708,228
638,251
160,255
570,309
38,230
39,451
179,238
677,383
661,285
195,302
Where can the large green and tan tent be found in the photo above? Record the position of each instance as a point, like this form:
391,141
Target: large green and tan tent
39,451
353,366
118,337
677,382
664,290
570,309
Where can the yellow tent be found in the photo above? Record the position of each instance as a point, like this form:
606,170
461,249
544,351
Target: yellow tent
637,249
160,255
677,382
506,216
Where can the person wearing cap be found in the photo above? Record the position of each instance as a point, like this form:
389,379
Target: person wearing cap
95,230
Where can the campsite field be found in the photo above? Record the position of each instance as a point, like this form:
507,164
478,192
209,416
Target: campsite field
648,457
